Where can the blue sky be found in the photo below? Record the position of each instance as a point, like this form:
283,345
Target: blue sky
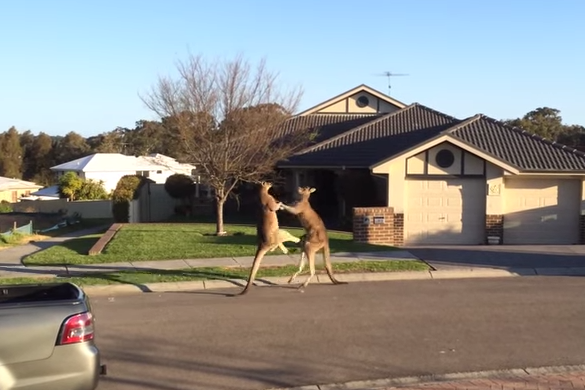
79,65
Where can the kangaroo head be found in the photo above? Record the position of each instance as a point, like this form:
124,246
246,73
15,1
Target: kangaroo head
265,185
305,192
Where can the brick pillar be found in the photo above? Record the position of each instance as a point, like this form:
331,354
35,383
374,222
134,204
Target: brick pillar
494,226
582,229
374,225
398,229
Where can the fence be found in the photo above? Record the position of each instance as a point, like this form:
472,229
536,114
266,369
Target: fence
25,229
89,209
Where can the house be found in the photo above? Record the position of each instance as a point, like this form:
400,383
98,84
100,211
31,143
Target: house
447,180
110,167
12,190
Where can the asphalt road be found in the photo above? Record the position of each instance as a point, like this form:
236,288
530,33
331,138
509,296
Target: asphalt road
279,337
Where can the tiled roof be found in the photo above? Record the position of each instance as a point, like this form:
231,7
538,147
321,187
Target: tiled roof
328,125
377,140
518,147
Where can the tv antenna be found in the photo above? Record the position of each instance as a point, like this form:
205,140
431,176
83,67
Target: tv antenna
389,75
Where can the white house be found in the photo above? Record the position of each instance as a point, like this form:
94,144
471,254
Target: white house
110,167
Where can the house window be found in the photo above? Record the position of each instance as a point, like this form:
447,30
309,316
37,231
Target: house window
362,101
143,173
158,172
445,158
14,196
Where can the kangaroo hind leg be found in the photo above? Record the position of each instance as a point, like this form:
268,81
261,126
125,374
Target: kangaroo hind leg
311,258
255,266
301,267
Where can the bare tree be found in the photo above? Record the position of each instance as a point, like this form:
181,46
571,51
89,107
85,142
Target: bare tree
228,116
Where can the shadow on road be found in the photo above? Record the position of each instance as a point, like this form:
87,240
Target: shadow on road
507,257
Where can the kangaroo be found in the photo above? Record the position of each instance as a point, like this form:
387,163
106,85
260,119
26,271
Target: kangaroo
269,235
315,237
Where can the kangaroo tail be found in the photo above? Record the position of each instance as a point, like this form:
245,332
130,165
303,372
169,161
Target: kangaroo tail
327,261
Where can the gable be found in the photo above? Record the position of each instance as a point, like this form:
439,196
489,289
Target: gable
445,159
359,100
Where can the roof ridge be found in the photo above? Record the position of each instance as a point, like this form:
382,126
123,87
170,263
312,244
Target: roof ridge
526,133
356,129
450,117
465,122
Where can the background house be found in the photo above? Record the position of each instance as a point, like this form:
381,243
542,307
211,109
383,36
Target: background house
447,180
11,190
110,167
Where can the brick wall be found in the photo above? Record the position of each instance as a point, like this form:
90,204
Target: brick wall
582,229
369,227
398,229
494,226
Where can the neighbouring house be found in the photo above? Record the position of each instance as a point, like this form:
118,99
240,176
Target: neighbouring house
110,167
12,190
446,180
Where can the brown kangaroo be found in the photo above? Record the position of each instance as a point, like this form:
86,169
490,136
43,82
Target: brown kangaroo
267,230
315,237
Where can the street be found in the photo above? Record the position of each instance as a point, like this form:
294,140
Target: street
280,337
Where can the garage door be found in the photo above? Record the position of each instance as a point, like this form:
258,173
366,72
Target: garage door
446,212
542,211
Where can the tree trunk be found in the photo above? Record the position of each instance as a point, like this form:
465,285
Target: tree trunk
219,217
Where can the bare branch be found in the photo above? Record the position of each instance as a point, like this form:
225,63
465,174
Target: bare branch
229,117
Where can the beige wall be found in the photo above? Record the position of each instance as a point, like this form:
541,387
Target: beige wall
582,197
7,195
397,193
495,189
89,209
349,105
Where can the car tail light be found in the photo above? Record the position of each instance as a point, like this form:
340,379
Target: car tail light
77,329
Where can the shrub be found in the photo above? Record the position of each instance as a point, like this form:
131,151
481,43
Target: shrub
5,207
126,191
92,190
180,186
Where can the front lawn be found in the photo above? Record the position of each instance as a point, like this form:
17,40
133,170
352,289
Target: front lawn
214,273
142,242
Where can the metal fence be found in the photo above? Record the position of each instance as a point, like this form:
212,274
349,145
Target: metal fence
25,229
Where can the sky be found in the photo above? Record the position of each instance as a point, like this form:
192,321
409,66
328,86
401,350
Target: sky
80,65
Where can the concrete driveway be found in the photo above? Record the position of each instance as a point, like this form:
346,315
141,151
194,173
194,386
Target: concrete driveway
501,256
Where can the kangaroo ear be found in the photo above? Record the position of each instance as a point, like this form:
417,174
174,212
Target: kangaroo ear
312,190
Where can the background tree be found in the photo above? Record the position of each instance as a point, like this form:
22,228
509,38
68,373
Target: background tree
41,160
548,123
26,141
109,142
69,185
11,154
228,117
71,147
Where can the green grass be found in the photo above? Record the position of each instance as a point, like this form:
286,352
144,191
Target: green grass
142,242
215,273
